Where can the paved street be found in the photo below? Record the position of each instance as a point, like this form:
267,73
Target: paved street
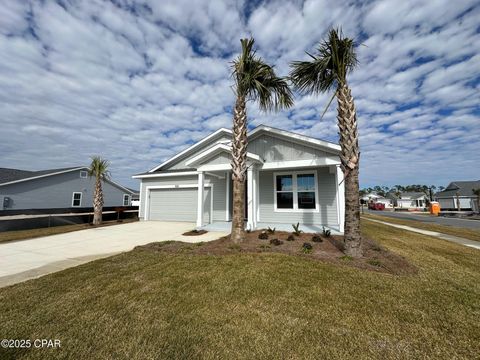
440,220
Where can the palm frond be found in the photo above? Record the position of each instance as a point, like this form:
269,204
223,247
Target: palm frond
99,168
334,58
257,81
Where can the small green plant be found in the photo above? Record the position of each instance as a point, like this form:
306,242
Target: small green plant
235,247
290,237
307,248
263,235
375,262
326,232
296,229
346,258
270,230
316,238
276,242
264,247
201,243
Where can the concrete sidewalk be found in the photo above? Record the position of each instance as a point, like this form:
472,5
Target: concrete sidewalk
27,259
455,239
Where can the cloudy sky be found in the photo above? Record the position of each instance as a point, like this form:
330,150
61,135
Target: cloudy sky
137,81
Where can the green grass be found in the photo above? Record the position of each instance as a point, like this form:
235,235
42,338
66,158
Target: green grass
471,234
35,233
145,305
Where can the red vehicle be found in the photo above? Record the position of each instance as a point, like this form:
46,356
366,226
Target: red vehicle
376,206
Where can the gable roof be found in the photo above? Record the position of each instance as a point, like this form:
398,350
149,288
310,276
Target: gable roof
10,176
220,132
408,195
259,130
463,188
217,149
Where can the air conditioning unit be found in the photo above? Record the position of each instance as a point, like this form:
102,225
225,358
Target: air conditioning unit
7,202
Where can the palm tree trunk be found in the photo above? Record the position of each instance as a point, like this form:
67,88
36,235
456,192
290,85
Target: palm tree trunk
350,159
239,168
97,202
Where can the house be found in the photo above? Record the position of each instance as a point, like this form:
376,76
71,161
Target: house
56,189
408,200
459,195
291,178
374,197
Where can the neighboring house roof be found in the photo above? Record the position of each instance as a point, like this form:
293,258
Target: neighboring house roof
462,188
12,176
261,129
407,195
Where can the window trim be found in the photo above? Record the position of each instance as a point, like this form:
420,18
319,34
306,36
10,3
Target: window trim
73,198
295,191
129,199
83,172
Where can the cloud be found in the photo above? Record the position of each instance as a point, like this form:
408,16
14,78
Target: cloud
138,81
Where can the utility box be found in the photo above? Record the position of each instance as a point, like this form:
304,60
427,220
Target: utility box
7,202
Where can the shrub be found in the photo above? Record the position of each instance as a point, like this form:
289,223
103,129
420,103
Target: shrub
307,248
290,237
326,232
264,247
270,230
374,262
296,229
263,235
316,238
276,242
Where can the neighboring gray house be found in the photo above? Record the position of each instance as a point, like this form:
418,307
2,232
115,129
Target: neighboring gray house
459,195
409,200
56,189
291,178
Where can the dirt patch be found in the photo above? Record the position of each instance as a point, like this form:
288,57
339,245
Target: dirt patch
195,232
328,249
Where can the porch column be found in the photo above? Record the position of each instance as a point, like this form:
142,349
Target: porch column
340,199
227,197
250,213
254,198
200,199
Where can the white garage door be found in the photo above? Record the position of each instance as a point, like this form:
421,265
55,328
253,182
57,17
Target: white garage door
179,204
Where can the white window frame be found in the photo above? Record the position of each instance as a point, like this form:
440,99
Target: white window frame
123,200
295,192
73,198
83,174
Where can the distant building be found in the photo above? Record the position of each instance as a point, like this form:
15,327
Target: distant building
459,195
409,200
377,199
56,189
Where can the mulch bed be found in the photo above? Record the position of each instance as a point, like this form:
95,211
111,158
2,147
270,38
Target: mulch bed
195,232
330,249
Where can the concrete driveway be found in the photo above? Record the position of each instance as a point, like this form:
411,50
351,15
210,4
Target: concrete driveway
27,259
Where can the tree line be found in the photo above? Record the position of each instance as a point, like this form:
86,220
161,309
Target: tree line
396,189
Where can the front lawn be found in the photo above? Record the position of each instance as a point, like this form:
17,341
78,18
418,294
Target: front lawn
466,233
150,304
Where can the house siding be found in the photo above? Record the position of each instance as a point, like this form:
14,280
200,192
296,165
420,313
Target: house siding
53,192
271,148
327,214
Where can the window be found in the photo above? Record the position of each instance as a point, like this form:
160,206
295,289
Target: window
126,200
83,174
77,199
296,191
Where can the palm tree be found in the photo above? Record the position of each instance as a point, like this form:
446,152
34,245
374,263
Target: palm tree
327,69
254,80
99,170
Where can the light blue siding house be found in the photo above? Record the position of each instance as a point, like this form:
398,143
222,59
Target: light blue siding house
291,178
56,189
